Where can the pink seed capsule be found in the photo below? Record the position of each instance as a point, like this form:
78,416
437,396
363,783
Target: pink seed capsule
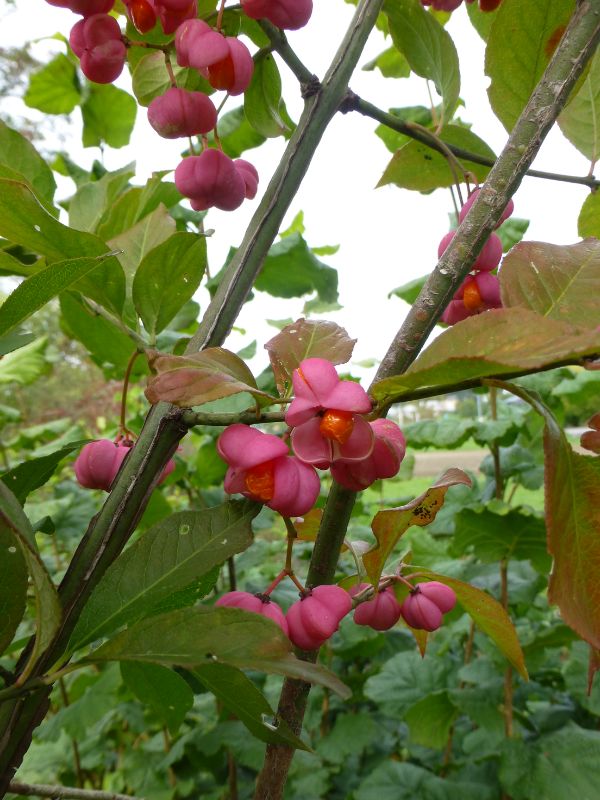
211,179
97,465
381,613
317,616
250,176
285,14
425,606
178,112
97,41
256,605
510,207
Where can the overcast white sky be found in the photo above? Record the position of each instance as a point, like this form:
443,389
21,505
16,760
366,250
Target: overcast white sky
387,236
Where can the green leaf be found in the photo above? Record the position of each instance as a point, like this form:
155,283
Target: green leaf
150,79
572,508
191,637
262,99
418,167
13,522
430,720
422,115
532,42
494,343
94,199
410,291
37,290
485,612
242,698
444,433
24,221
557,281
13,586
25,365
106,343
511,232
389,525
167,278
482,21
588,222
291,270
108,116
136,203
198,378
166,559
14,341
559,765
167,693
19,154
391,63
54,89
428,49
579,120
30,475
307,339
395,780
405,679
236,134
510,534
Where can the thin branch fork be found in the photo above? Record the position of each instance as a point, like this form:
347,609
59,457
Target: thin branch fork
67,792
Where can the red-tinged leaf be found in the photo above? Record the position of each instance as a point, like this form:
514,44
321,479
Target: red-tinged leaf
388,526
307,339
492,344
593,668
572,507
308,526
421,638
487,613
557,281
191,380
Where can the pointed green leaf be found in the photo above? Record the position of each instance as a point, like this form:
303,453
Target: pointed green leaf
19,154
48,611
94,200
430,720
242,698
191,637
25,365
150,79
54,89
427,47
30,475
487,613
24,221
588,222
167,278
37,290
108,116
291,269
557,281
262,99
389,525
530,32
169,557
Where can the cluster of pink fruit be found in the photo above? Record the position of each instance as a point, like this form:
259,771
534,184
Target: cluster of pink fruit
211,178
480,290
329,430
98,463
311,620
452,5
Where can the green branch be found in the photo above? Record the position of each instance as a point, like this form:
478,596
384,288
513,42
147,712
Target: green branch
66,792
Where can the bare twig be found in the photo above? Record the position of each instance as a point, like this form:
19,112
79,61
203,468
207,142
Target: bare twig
59,792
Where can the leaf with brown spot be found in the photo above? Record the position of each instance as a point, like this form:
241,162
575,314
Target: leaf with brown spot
191,380
388,526
557,281
487,613
307,339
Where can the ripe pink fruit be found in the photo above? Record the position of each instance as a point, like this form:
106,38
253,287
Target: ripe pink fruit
380,613
426,604
256,604
85,7
476,294
142,14
383,462
98,463
173,13
314,618
261,468
211,179
98,43
471,199
287,14
178,112
223,60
